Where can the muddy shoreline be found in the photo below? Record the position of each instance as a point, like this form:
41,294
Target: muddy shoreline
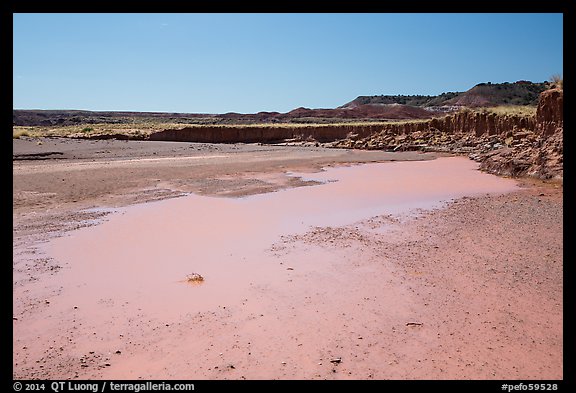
482,277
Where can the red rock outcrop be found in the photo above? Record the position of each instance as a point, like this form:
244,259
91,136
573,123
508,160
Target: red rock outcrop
550,111
513,145
264,133
464,122
509,145
544,157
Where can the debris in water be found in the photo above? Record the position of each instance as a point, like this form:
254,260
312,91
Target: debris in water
194,277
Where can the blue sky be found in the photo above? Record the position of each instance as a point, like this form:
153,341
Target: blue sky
218,63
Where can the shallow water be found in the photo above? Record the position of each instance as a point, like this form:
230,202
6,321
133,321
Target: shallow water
142,255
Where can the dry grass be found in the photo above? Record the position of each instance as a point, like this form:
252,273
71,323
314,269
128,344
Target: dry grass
512,110
83,130
557,81
506,110
143,128
18,132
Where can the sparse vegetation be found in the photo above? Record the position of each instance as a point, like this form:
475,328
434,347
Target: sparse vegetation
517,93
17,134
557,81
412,100
142,129
513,110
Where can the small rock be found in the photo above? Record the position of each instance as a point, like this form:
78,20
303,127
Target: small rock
414,324
283,362
289,268
118,352
336,360
194,277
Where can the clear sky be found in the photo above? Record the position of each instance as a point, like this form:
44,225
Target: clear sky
218,63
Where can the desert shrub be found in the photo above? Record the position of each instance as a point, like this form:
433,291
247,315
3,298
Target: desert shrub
20,133
557,81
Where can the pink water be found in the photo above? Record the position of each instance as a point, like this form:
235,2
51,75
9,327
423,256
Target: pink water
142,255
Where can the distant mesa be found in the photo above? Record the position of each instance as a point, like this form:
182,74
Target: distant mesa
483,94
377,107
